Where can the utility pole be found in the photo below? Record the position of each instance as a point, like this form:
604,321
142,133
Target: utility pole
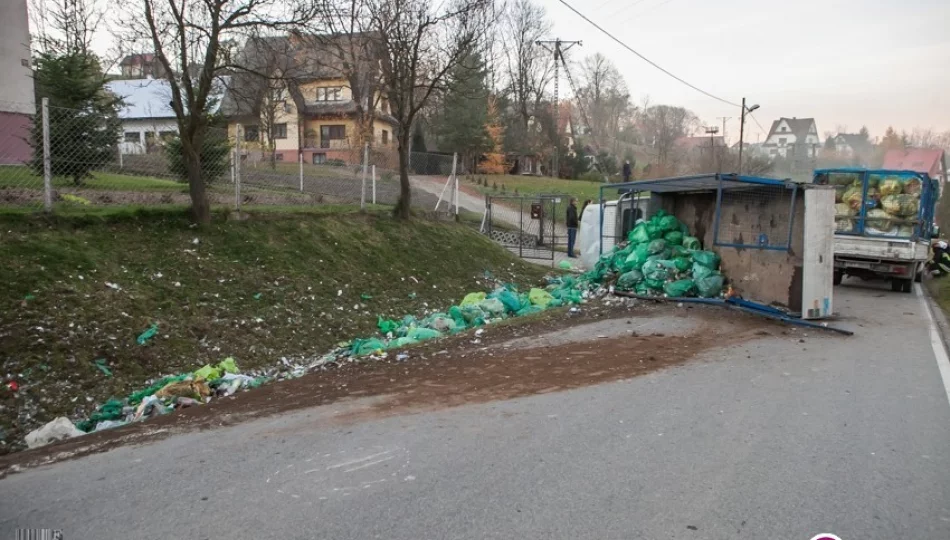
741,129
557,46
712,131
724,118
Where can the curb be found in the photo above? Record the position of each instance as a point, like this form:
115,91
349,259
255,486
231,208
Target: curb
943,326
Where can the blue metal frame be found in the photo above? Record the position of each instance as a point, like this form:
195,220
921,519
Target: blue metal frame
924,226
703,182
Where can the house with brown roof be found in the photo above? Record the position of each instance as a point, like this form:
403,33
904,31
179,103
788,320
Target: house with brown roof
299,97
792,138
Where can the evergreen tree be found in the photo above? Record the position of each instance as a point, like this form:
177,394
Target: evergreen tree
463,126
84,126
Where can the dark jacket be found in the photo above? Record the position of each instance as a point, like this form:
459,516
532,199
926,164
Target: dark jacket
626,170
572,216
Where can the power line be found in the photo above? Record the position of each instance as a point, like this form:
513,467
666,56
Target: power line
644,58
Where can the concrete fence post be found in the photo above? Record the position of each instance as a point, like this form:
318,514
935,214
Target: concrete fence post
237,169
365,167
374,184
300,159
455,157
47,165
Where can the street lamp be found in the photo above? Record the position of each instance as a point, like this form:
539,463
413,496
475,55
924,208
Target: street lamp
742,130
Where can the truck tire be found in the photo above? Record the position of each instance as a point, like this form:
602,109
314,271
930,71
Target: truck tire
897,285
919,276
907,285
838,276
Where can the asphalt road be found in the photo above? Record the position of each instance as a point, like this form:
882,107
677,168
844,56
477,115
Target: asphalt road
776,438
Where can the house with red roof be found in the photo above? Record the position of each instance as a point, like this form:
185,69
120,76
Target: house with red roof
924,160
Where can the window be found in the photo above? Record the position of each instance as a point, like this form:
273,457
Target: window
279,156
385,137
280,131
334,93
773,152
133,137
319,158
782,140
784,129
331,133
250,133
165,136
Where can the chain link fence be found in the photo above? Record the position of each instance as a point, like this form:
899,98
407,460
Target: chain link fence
78,159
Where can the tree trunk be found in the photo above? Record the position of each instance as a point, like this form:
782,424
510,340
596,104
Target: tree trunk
200,208
401,211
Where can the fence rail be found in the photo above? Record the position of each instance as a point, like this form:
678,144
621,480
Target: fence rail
53,158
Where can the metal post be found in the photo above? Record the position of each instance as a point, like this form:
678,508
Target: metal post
237,169
741,134
374,184
47,174
119,148
455,157
365,165
300,159
521,227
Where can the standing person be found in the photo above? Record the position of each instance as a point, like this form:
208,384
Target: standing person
571,227
627,171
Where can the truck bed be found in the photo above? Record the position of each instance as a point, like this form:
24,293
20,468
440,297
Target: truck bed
889,249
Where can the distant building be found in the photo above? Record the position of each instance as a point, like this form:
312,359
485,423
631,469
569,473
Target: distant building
141,66
699,144
147,116
930,160
853,145
793,138
17,100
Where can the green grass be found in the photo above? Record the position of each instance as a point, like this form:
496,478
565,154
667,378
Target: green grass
534,185
23,177
199,285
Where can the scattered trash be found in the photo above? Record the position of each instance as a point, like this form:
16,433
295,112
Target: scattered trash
194,389
258,296
565,265
101,364
109,424
13,386
113,286
57,430
365,296
412,296
147,334
402,357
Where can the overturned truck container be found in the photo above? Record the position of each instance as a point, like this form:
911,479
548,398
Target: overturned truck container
774,237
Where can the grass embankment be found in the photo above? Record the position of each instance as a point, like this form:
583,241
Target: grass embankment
275,285
23,177
534,185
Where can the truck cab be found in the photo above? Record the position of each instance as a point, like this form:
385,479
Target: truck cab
884,220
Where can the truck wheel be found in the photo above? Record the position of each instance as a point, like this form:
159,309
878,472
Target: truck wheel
907,285
897,285
919,276
838,276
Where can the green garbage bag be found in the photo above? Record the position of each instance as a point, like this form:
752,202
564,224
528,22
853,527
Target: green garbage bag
642,288
700,271
673,238
657,246
678,288
680,251
508,299
655,271
529,310
540,298
557,302
422,334
669,224
456,313
472,314
472,299
110,410
654,231
654,284
639,234
636,259
710,286
228,365
565,265
362,347
568,296
707,259
492,307
208,373
664,255
628,281
682,264
386,325
136,397
401,342
691,242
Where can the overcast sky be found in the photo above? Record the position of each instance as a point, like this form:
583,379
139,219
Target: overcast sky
844,62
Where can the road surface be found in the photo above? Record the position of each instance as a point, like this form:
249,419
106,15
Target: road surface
779,437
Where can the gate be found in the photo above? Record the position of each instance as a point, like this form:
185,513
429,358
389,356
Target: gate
526,226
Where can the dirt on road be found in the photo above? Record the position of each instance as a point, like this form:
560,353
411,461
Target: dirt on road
550,353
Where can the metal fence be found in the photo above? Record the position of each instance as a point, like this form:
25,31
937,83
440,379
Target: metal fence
52,158
527,226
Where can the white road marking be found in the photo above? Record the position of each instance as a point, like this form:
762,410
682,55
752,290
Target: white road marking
940,352
360,460
370,464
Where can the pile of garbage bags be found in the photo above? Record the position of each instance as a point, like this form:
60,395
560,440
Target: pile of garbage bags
891,203
660,258
169,393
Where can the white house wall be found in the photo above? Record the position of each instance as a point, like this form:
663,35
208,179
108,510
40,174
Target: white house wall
142,127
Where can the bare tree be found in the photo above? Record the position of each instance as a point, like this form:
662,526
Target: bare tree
529,68
604,95
420,44
65,25
662,125
189,38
